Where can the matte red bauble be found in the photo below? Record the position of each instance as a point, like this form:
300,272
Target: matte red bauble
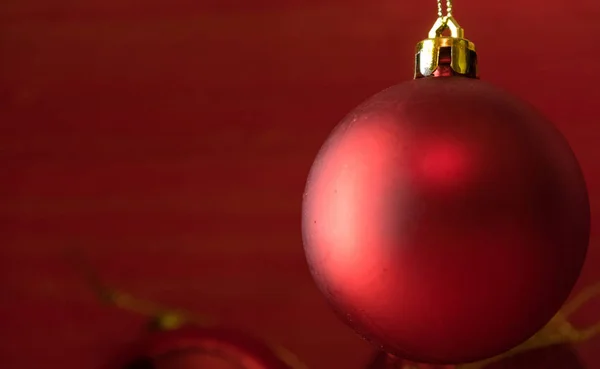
201,348
445,220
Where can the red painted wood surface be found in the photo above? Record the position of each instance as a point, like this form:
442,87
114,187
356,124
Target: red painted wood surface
170,140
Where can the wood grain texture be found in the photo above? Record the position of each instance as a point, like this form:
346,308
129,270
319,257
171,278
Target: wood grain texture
171,139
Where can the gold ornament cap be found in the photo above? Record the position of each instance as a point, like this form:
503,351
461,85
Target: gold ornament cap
444,56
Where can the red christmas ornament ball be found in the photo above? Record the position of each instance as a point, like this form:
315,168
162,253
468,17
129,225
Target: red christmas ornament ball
445,220
202,348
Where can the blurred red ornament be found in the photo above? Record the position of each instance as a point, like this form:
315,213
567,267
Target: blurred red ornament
201,348
445,220
554,357
183,340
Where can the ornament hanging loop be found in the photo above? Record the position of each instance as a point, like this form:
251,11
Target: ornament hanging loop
446,23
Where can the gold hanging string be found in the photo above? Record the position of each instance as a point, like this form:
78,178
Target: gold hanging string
448,9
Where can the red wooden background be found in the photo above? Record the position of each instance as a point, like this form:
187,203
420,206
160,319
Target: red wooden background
170,140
